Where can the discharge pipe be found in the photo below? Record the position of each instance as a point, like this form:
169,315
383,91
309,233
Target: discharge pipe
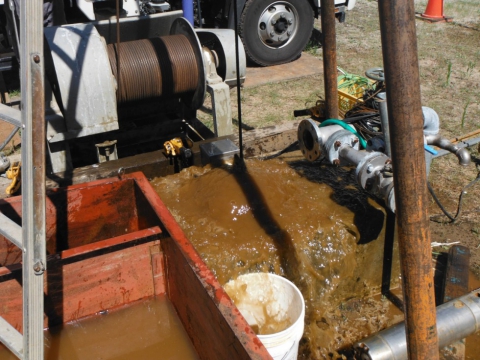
374,171
456,320
431,127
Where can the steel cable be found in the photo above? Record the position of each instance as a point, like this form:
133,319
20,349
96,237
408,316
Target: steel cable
152,68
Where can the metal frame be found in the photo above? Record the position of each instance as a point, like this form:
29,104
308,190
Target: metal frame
30,237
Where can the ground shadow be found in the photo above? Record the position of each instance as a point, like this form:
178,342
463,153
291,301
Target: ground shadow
264,217
346,192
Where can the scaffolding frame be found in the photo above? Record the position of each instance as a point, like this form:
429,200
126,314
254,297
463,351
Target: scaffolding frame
30,237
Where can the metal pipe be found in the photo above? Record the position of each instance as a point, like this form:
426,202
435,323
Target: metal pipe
462,154
399,47
329,46
351,155
381,100
462,144
456,320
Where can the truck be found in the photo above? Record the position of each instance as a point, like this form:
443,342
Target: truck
273,32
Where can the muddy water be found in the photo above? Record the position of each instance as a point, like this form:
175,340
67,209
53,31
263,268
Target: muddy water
307,222
139,331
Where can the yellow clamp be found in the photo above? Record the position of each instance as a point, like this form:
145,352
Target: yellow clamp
173,147
13,173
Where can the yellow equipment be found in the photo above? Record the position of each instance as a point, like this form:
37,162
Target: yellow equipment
13,173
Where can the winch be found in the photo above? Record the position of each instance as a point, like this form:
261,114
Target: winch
136,93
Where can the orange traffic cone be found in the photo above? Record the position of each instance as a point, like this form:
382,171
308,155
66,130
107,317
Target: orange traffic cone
434,11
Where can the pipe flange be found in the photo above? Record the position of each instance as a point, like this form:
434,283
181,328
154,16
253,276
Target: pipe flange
370,164
309,140
336,141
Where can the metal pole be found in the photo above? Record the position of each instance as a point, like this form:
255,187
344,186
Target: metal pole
329,46
33,176
399,45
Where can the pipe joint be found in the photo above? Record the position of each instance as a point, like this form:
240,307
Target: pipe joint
462,154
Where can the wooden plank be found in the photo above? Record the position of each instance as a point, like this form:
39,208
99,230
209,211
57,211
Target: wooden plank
85,213
268,140
257,142
76,286
206,311
158,270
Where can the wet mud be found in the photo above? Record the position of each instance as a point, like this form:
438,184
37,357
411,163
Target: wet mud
306,221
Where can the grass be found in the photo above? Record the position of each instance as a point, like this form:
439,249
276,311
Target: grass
449,73
14,93
465,113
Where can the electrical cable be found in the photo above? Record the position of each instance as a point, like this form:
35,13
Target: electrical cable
460,199
237,68
290,147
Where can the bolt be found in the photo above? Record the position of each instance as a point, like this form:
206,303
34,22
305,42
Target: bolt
290,21
289,32
38,266
274,21
354,140
280,38
336,162
120,172
36,58
272,34
458,304
282,16
337,144
369,169
388,161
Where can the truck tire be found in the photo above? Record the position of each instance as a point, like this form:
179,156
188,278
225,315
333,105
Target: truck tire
275,31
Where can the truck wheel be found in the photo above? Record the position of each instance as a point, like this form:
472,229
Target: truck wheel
275,32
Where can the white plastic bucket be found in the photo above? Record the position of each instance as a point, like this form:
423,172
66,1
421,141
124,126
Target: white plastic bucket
275,307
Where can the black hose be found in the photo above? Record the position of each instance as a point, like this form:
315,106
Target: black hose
291,147
460,199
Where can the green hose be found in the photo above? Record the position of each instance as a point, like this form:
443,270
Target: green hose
344,125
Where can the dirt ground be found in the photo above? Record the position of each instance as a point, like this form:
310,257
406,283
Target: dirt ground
450,75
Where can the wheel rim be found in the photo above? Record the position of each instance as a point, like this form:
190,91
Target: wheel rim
278,24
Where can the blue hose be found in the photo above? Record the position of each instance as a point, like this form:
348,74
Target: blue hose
344,125
187,6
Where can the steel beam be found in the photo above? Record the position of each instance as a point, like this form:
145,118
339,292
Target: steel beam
11,230
10,115
11,338
33,175
399,46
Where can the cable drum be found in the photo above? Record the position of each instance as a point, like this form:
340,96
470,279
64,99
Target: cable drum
153,68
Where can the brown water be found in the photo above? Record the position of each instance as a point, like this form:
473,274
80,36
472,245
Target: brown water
307,222
144,330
